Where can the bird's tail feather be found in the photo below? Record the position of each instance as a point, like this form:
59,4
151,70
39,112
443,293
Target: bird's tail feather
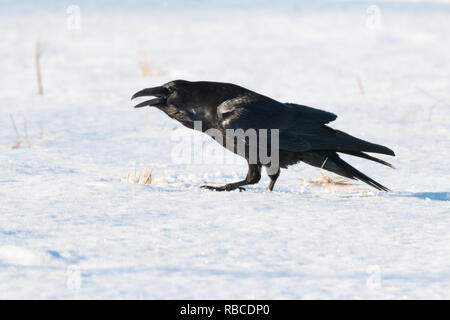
344,141
366,156
330,161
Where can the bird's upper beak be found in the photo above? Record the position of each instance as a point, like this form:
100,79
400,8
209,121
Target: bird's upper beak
161,94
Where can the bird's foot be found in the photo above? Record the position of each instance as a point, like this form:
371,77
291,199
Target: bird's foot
222,188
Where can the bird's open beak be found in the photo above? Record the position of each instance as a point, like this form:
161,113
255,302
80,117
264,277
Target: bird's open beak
160,93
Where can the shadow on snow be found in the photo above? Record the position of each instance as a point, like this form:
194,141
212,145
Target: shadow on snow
437,196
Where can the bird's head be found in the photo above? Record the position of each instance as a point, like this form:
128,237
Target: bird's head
187,101
168,94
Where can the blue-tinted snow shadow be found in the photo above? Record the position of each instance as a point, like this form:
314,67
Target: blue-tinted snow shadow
73,258
437,196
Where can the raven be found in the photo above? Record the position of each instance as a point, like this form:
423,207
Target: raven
302,131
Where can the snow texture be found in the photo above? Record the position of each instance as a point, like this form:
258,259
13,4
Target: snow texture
72,227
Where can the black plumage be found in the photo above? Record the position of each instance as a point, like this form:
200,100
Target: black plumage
303,131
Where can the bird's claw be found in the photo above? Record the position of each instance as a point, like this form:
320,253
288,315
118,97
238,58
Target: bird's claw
222,188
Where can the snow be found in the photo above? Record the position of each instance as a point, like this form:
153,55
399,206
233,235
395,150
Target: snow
72,227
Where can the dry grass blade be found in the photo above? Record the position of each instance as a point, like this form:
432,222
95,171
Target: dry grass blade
26,139
38,67
328,181
148,71
439,100
25,130
331,182
323,164
430,112
19,139
406,116
144,177
360,85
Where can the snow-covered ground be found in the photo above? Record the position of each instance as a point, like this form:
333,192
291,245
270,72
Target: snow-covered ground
72,227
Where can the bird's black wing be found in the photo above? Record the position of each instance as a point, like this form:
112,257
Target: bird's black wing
296,124
301,128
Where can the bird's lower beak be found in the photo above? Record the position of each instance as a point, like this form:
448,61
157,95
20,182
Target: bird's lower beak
160,93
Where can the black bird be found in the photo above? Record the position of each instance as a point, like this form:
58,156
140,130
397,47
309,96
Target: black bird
303,133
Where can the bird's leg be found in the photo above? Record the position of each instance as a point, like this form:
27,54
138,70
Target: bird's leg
253,176
273,179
